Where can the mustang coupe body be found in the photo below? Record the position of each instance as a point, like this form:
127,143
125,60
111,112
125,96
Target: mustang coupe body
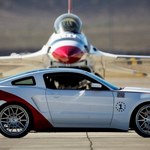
48,99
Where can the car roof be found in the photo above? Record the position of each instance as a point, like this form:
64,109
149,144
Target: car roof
55,70
48,70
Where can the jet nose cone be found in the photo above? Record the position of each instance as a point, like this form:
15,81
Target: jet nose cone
67,54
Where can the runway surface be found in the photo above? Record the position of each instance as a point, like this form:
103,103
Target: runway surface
77,141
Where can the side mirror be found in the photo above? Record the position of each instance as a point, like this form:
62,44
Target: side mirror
96,85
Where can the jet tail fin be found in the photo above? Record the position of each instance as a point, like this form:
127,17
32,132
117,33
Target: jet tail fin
69,6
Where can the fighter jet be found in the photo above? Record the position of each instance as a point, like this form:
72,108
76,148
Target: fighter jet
68,47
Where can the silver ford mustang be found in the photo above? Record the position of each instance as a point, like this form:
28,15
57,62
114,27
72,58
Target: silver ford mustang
48,99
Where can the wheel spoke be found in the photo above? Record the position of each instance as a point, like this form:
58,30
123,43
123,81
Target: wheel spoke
4,121
142,124
22,120
18,127
5,118
141,120
9,112
142,115
8,115
148,110
20,123
12,114
21,116
16,111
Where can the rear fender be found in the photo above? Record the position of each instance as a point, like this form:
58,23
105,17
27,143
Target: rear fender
40,123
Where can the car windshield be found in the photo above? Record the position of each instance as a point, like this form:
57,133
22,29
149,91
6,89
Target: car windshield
106,83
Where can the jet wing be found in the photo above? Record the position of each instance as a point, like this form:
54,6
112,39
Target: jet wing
136,64
139,64
16,63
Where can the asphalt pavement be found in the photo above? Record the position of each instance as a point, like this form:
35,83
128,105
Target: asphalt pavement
77,141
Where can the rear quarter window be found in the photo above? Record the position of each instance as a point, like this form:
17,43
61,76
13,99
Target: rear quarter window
29,81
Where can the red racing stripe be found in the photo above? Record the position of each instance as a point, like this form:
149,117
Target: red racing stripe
40,123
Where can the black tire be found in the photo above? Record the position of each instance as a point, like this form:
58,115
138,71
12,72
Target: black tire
14,121
142,120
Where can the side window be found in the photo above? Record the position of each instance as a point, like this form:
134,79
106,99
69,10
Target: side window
24,81
68,81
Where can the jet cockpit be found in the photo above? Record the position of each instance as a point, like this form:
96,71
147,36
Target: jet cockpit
68,23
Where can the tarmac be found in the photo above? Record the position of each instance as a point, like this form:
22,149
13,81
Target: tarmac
77,141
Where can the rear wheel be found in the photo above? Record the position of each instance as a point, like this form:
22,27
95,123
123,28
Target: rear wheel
142,121
14,121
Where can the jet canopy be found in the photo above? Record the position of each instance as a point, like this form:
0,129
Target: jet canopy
68,23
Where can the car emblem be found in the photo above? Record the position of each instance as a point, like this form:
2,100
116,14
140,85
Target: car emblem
120,106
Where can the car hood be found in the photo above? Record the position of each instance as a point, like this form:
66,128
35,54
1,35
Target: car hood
136,89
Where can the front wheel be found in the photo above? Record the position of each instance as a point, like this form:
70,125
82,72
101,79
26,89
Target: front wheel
142,121
14,121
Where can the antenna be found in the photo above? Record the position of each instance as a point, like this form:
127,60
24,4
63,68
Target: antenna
69,6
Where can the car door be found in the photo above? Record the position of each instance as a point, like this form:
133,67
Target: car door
76,106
